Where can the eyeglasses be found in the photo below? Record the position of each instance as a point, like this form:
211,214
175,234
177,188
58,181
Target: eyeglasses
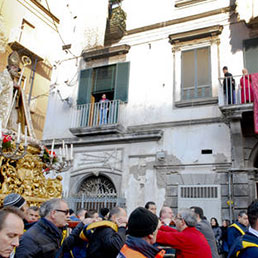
66,212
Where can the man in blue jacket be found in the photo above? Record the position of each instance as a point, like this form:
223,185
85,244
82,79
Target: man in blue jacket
247,245
238,228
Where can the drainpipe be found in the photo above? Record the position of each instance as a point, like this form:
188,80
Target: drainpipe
32,80
230,195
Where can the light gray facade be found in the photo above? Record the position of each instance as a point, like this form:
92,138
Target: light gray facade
171,128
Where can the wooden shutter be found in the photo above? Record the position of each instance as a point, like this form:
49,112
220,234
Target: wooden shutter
85,86
122,81
251,55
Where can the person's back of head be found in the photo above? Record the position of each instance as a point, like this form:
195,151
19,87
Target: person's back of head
118,216
252,212
143,223
81,213
93,214
71,212
189,217
104,213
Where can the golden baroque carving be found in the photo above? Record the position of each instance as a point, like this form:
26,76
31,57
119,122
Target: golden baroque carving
25,177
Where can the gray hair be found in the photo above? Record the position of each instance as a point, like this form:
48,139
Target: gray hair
189,217
49,206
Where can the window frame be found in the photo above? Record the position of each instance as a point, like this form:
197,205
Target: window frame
196,87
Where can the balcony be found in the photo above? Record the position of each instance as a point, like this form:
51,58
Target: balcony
236,91
235,95
96,118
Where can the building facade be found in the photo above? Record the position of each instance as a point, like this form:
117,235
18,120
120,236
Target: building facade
30,28
164,132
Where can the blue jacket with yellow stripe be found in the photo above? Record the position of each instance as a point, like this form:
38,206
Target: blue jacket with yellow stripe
235,230
245,246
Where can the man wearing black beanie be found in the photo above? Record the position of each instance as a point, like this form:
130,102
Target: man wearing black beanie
142,232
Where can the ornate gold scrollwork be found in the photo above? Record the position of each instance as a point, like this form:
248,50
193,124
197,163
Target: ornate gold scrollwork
25,177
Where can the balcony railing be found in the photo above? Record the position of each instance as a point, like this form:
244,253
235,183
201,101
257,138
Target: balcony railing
235,90
96,114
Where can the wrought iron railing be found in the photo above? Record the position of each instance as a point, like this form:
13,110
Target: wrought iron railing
96,114
235,90
95,202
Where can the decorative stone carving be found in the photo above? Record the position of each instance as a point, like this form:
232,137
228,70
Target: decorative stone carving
111,159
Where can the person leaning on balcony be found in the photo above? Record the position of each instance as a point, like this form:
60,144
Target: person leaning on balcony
228,86
247,95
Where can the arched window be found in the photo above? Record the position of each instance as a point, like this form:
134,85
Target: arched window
96,186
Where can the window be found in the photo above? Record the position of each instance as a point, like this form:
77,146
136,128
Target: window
251,55
111,80
196,63
195,73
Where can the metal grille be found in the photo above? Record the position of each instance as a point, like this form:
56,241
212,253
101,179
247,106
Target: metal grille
199,192
96,203
96,192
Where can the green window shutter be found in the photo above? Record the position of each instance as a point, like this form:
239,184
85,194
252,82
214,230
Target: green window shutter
122,81
85,86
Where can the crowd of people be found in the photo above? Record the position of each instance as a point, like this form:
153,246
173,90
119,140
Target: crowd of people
54,230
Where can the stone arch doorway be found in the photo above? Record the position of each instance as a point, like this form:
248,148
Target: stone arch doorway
96,192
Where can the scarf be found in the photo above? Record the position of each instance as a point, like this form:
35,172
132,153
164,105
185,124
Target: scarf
142,246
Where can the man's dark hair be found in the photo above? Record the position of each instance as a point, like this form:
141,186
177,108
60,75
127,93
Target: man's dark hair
252,213
71,211
9,210
104,211
225,68
147,205
34,208
90,213
198,210
241,213
114,211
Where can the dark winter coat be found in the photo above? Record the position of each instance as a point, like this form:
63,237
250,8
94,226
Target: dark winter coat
42,240
105,242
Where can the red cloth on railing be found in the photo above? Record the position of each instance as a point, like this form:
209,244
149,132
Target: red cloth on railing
255,91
